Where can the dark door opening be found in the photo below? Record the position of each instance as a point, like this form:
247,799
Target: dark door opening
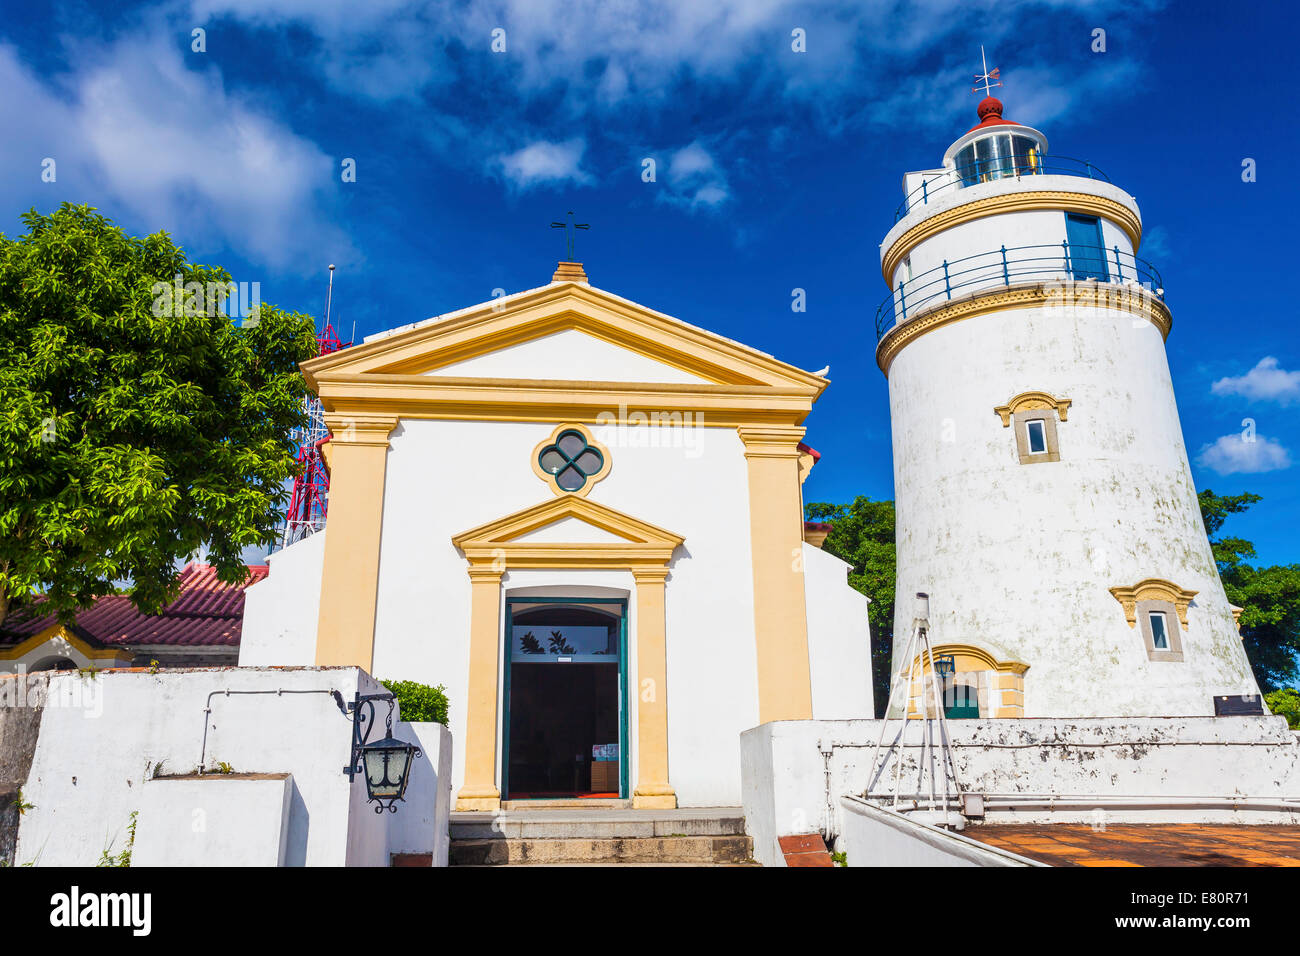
565,733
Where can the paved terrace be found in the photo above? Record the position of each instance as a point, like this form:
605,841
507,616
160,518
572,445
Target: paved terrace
1060,844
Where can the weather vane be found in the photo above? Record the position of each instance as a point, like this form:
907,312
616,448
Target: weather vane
568,228
986,76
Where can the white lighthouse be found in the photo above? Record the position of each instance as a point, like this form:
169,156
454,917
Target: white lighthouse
1044,497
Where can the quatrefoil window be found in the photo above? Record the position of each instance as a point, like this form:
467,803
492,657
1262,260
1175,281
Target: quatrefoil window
571,459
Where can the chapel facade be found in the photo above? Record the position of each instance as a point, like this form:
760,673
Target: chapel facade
584,518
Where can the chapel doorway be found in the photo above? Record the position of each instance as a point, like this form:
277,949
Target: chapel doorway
565,721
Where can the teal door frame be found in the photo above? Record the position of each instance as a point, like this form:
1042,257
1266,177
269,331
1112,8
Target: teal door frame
507,641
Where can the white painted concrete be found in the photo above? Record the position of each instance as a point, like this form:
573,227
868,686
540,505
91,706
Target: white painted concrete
214,820
93,761
871,836
1160,765
570,355
280,610
839,639
689,480
421,822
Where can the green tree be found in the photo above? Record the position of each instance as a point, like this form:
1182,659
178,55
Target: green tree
132,434
1285,703
862,533
1269,597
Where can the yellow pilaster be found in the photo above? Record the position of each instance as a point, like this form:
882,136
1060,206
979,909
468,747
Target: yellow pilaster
345,632
480,791
776,540
653,791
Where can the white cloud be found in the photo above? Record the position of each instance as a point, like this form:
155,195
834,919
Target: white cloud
694,179
545,162
1266,382
1233,455
601,55
165,147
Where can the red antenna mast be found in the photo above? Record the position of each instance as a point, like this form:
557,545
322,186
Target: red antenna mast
309,502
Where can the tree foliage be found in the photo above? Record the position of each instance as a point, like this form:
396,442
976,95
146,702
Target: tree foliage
1269,597
129,439
862,533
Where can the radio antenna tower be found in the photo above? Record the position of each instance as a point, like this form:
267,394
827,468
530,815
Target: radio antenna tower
310,499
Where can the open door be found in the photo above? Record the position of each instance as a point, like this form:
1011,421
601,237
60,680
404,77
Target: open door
565,725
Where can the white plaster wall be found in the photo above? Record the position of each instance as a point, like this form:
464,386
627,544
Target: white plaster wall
839,639
569,355
421,822
96,751
447,477
873,837
214,820
785,763
1018,559
280,611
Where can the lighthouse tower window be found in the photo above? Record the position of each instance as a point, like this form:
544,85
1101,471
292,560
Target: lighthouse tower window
1159,631
1036,439
998,156
1037,436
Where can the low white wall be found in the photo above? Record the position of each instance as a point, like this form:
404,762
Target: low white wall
94,760
280,611
839,638
421,824
795,772
875,837
214,820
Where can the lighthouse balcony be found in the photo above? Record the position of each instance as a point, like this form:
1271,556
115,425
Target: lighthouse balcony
930,186
1056,267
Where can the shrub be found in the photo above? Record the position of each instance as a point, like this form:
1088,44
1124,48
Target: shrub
418,702
1285,703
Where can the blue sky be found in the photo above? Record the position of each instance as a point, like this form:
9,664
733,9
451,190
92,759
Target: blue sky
775,170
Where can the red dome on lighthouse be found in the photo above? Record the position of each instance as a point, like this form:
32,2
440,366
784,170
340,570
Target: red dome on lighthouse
990,114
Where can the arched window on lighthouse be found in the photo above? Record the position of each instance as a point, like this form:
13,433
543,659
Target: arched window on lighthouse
1033,417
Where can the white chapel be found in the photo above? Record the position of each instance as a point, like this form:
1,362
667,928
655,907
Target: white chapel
585,519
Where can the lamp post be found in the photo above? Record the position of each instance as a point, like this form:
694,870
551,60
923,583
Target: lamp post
386,763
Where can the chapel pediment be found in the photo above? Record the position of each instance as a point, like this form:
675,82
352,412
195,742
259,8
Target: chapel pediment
564,331
566,529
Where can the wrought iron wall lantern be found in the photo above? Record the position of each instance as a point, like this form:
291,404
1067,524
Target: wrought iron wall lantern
386,763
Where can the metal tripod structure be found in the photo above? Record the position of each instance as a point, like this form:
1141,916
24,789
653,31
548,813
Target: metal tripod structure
917,653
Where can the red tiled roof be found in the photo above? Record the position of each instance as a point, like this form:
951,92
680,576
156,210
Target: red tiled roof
809,450
206,612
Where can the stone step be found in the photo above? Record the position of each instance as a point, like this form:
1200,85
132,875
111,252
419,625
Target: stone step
683,850
596,824
562,803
